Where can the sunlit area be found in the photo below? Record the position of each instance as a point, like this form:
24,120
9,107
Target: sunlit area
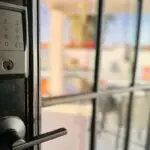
68,51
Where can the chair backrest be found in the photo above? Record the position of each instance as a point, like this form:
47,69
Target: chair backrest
107,104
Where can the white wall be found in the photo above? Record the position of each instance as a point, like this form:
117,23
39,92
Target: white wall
87,58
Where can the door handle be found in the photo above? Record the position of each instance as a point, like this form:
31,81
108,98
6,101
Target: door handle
12,132
41,138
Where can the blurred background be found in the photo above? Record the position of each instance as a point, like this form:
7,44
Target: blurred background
77,44
68,50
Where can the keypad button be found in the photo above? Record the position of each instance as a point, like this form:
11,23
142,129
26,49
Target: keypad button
11,30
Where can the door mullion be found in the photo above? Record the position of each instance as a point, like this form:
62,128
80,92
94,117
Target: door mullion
96,73
134,70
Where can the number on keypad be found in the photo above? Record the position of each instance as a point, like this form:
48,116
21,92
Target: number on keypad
11,37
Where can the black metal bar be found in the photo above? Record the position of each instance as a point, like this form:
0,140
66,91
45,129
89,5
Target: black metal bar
42,138
31,78
96,75
147,144
64,96
98,45
38,112
134,69
89,96
33,70
104,92
121,138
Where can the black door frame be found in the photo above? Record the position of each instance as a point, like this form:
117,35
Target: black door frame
34,67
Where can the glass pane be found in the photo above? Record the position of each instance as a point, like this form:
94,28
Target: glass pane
140,116
118,41
143,67
111,121
75,118
68,33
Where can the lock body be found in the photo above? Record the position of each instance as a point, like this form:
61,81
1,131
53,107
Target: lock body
16,78
13,60
14,39
19,84
13,98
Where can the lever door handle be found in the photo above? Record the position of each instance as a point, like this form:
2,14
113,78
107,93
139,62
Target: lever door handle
41,138
12,132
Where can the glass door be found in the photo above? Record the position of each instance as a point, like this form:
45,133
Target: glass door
63,32
94,73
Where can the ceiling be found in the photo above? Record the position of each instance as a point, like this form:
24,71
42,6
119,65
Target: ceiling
128,6
110,6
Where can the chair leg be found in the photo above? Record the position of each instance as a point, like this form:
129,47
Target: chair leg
118,129
102,124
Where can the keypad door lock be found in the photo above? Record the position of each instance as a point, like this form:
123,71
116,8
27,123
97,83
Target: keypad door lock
14,49
12,132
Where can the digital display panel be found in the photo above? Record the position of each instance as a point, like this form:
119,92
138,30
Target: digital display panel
11,30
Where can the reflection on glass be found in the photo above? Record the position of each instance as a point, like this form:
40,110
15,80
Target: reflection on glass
143,67
118,41
67,47
111,120
68,66
75,118
140,116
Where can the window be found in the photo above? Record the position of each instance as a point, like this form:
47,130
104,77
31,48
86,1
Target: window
70,40
143,73
118,41
69,60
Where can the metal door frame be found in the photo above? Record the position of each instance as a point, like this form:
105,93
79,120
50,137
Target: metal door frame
34,69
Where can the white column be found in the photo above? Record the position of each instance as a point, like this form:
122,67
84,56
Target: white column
56,73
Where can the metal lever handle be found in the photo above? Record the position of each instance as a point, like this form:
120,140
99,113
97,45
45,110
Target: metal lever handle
41,138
